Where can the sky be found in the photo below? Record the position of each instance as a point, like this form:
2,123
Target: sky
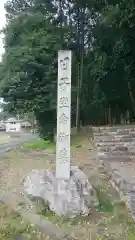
2,22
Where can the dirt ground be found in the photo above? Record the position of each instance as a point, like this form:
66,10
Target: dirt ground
109,222
4,138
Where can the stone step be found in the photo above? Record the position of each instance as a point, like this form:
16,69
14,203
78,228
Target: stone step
119,129
101,134
117,154
108,139
128,135
115,133
114,144
124,139
125,134
115,147
98,140
132,203
112,149
115,158
131,148
124,131
109,144
110,133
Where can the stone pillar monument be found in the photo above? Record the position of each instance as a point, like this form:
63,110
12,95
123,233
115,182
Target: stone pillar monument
63,115
67,191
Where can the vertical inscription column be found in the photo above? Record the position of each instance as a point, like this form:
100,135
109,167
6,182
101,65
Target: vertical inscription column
63,115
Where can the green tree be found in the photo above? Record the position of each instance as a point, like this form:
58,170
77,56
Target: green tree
101,36
29,65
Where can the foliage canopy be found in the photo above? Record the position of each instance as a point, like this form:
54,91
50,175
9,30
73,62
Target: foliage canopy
101,36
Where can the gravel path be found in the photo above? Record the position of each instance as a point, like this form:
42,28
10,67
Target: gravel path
18,140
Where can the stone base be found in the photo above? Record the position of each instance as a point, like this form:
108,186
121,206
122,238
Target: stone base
66,198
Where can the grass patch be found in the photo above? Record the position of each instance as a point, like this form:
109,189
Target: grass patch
42,209
39,145
131,230
46,144
77,138
114,217
13,226
105,204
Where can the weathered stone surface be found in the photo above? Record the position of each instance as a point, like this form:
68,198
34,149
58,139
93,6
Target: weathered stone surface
19,238
98,134
110,144
114,156
128,136
120,148
120,153
104,139
65,198
132,134
114,144
104,149
124,139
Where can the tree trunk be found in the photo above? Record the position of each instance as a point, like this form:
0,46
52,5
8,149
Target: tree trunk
80,68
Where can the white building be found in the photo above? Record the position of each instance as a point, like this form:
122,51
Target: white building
13,125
